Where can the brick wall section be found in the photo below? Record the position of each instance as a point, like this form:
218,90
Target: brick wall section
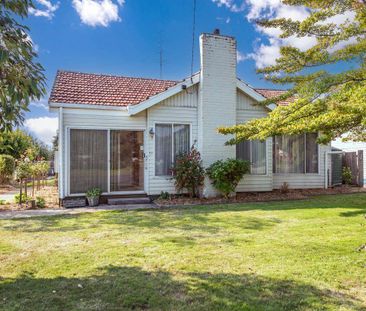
217,99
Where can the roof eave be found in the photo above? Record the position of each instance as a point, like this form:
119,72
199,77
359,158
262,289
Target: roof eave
84,106
252,93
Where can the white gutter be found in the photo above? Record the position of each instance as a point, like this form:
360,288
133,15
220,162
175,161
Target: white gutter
88,106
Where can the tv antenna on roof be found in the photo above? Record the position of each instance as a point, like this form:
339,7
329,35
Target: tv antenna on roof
161,55
193,35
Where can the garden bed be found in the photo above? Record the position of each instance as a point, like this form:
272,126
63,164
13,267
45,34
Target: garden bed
49,193
275,195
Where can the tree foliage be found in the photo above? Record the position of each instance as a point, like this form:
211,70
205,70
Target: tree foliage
19,144
7,167
324,99
21,77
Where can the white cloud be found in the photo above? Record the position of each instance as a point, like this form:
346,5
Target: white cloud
42,103
44,128
240,57
45,8
231,5
97,12
266,54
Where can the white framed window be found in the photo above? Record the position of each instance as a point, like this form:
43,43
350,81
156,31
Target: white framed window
253,151
171,140
296,154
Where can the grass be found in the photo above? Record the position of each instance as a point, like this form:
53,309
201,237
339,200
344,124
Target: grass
298,255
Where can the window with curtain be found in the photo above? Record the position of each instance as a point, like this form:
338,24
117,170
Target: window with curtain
88,160
295,154
253,151
171,140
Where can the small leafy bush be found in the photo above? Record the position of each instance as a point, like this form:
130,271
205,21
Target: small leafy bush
225,175
93,193
7,167
40,202
164,195
347,175
25,198
189,173
2,202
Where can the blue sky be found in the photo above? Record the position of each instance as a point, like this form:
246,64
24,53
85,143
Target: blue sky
123,37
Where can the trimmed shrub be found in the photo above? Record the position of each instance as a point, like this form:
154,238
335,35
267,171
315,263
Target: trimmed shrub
347,175
7,167
225,175
189,173
40,202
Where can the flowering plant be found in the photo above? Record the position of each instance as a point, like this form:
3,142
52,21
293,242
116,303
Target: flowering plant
188,172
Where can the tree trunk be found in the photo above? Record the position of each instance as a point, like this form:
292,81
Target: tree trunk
20,192
33,185
26,188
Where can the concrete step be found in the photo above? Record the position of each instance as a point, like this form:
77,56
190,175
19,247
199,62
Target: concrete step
134,200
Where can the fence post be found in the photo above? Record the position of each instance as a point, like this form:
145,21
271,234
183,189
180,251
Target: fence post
360,168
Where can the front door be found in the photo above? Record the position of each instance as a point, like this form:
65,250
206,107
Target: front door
126,161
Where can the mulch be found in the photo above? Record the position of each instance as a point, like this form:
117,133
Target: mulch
49,193
244,197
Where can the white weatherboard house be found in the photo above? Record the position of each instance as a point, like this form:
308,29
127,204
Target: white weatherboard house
122,134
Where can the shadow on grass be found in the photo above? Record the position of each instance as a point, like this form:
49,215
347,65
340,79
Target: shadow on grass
130,288
189,220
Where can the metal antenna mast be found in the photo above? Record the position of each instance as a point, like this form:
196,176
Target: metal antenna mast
193,35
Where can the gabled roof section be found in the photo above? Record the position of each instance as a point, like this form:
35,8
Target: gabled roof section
175,89
76,89
241,85
98,89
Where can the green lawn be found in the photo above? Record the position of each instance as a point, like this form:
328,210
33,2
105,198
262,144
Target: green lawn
298,255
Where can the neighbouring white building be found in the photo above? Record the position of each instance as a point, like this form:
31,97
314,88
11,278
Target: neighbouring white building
122,134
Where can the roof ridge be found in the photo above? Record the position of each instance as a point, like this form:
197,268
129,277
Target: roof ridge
113,76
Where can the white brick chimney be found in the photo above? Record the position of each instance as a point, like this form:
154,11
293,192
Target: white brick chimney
217,101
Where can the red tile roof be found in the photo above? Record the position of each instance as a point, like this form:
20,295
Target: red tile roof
269,93
97,89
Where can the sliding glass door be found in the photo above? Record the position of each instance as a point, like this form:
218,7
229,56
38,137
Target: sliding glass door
94,152
127,163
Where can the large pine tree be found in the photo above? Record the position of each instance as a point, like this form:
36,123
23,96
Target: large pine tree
330,101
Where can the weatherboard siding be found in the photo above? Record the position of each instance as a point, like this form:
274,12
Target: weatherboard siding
246,111
305,181
94,119
186,99
180,108
103,119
